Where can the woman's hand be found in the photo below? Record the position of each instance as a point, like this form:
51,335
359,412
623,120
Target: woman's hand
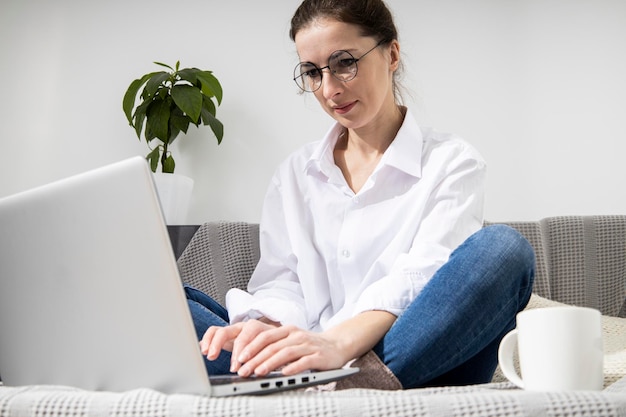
259,348
290,349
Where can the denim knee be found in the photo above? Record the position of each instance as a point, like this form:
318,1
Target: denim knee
507,243
198,297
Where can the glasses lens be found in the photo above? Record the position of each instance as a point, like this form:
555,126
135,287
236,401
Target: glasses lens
307,76
342,65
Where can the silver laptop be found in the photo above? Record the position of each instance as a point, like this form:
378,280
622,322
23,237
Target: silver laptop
90,294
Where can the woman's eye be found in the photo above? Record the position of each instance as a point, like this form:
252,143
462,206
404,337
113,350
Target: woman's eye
346,62
312,73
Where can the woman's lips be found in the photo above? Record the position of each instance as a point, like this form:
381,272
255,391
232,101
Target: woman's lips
344,108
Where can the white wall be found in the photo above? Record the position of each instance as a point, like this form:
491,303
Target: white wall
538,86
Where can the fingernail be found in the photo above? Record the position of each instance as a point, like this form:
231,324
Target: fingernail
261,370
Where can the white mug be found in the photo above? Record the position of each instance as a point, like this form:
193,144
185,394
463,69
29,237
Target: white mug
559,348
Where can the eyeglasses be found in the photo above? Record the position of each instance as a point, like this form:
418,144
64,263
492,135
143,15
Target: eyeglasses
341,64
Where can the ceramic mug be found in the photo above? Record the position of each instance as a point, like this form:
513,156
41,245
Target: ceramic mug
559,349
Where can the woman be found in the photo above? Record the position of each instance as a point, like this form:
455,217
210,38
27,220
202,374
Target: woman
371,239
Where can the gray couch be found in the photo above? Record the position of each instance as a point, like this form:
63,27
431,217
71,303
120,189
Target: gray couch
580,260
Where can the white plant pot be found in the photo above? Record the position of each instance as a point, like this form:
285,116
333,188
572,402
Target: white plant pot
175,195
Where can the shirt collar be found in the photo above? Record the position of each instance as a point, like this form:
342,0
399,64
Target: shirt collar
404,153
322,159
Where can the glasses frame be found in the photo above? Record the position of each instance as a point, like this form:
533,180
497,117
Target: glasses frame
321,70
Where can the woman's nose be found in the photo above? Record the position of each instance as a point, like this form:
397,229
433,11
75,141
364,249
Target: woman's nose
331,86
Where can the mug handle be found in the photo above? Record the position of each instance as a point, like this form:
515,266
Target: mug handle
506,351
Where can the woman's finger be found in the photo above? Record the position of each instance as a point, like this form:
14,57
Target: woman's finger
288,346
206,340
255,341
272,358
217,338
263,346
246,345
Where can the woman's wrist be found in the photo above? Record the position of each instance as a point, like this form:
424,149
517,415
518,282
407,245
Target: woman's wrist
356,336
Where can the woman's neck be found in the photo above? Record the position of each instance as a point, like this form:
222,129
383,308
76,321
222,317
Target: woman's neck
358,151
376,137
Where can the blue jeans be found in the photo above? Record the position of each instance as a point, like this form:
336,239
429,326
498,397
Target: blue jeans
449,335
205,313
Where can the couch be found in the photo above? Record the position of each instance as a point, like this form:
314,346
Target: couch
581,260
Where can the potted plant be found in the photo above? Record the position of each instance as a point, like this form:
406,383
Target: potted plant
169,102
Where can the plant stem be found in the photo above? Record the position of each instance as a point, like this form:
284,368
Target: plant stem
163,156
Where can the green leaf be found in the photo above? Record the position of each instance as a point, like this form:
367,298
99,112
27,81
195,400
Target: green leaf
169,165
175,124
174,132
179,120
189,100
189,74
210,85
207,106
216,126
153,158
163,65
149,135
155,82
208,118
158,114
131,94
129,99
140,117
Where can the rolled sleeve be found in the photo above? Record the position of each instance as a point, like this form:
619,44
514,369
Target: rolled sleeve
391,293
243,306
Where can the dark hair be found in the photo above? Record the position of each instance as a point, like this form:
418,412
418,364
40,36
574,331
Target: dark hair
372,16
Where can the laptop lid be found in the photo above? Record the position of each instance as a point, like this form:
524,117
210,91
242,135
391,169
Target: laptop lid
90,294
89,290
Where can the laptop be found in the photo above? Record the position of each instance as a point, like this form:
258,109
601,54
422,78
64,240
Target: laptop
91,297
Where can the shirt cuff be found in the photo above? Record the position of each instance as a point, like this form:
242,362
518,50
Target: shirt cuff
387,295
243,306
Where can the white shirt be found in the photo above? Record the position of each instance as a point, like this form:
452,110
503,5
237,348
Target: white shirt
328,254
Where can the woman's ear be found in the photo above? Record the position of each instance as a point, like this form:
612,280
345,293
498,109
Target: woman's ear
394,54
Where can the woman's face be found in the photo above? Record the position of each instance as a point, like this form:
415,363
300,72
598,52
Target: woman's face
366,98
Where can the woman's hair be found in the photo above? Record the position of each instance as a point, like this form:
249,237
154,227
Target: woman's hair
372,16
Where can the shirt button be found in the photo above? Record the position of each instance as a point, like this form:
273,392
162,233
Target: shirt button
356,200
346,253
